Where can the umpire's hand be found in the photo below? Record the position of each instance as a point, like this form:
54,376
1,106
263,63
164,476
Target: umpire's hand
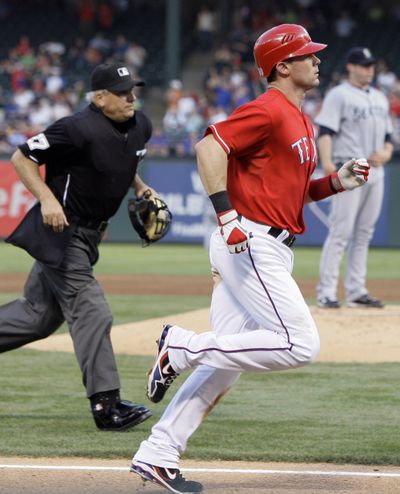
53,213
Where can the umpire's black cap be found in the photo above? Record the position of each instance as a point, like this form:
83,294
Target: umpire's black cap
360,56
115,77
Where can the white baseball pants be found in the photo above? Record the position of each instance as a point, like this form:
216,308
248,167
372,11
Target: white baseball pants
260,322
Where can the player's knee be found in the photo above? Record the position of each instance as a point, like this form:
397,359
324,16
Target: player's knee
306,350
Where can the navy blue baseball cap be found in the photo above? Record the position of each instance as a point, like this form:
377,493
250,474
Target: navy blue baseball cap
115,77
360,56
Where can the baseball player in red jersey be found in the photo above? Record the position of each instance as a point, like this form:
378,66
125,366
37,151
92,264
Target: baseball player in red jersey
256,168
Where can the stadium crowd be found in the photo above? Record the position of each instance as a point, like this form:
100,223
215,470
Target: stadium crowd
41,83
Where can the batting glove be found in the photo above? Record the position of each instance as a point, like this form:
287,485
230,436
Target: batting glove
351,175
233,233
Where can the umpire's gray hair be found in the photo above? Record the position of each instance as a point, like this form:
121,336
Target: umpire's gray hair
91,95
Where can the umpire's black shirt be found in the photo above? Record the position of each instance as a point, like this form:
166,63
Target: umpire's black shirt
90,164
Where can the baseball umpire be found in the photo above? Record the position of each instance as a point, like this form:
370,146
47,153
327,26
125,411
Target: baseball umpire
256,168
91,161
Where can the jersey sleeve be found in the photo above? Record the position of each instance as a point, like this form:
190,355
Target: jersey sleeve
331,111
41,147
247,128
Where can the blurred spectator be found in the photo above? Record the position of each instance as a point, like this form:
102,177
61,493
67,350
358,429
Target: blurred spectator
86,15
344,25
174,128
101,43
206,27
42,114
120,47
19,76
52,48
174,92
216,114
54,81
23,98
385,78
186,104
223,56
23,47
158,144
61,108
105,16
135,55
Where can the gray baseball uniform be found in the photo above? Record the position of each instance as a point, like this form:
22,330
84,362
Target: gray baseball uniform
361,120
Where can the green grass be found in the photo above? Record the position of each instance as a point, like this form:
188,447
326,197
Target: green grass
128,308
326,412
192,260
125,259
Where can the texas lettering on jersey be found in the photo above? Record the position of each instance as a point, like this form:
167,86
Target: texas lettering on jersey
306,149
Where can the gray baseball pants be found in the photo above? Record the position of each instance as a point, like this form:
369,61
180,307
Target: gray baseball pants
69,292
353,217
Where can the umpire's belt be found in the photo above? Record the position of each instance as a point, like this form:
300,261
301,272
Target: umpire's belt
282,235
98,225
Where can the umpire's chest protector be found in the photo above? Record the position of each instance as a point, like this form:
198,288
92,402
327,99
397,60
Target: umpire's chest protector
111,157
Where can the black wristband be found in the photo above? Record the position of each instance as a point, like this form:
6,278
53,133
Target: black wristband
220,201
331,185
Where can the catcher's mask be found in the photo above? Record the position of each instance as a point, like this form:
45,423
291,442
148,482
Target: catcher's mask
150,217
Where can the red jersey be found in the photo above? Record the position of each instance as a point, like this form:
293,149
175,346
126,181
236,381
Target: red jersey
271,157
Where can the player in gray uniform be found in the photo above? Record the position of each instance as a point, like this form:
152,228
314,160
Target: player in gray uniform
354,121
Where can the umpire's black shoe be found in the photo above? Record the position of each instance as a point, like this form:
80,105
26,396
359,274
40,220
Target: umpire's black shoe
118,416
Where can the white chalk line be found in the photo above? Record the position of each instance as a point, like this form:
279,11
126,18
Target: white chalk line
327,473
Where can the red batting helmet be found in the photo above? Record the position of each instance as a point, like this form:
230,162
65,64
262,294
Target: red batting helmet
280,43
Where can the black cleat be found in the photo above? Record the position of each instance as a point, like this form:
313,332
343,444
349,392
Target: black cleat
366,301
169,478
327,303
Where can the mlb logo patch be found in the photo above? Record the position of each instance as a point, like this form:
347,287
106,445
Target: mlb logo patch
123,71
367,53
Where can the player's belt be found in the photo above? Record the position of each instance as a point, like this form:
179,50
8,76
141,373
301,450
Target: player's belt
99,226
276,232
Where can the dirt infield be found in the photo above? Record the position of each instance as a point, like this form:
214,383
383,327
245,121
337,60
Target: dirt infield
83,476
388,290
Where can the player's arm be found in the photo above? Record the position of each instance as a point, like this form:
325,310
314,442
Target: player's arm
212,162
325,150
381,157
28,172
350,175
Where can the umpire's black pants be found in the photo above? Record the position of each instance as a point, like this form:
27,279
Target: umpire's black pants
69,292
